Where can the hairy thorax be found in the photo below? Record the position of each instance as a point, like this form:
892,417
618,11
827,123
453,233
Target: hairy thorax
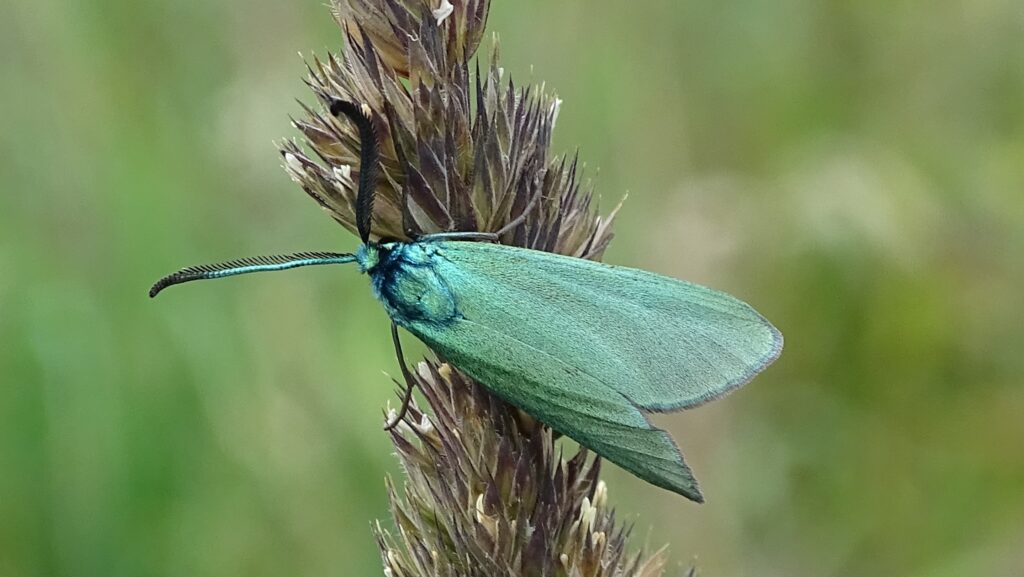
406,280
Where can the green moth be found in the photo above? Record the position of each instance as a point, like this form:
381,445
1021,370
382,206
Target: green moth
584,347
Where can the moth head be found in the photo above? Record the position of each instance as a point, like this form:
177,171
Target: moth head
368,256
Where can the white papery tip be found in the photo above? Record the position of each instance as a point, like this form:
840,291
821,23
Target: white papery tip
402,426
425,427
556,107
480,512
392,561
343,173
442,13
600,494
294,163
587,515
488,522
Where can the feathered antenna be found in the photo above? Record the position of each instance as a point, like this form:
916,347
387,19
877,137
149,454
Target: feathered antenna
248,265
369,159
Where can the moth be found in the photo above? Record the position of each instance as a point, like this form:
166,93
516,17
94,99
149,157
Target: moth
588,349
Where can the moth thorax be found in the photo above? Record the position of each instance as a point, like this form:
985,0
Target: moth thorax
418,293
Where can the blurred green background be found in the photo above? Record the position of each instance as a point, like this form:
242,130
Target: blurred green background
853,169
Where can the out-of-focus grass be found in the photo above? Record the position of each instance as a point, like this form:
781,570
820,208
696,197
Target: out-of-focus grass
854,170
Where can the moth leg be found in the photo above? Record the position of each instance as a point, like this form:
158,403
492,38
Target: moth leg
469,235
522,215
410,383
487,236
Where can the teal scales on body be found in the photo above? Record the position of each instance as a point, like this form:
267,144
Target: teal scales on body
584,347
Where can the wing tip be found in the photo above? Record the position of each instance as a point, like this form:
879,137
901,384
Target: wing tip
778,341
679,477
773,353
689,490
686,483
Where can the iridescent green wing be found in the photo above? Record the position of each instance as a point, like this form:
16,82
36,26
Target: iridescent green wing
663,343
584,347
564,397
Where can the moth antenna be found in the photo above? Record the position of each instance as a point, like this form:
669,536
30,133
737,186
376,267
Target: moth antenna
248,265
369,161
